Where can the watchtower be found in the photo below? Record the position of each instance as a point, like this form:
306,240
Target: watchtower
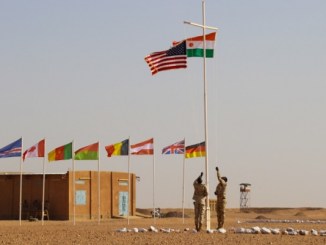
244,195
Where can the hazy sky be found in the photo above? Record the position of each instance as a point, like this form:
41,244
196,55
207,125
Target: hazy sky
75,70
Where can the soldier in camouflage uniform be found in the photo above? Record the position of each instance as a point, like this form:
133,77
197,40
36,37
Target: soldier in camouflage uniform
220,192
200,194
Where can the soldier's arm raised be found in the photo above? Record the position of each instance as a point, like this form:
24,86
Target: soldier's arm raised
218,175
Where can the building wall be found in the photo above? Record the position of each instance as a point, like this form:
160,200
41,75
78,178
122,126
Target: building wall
32,188
87,198
119,190
59,192
7,197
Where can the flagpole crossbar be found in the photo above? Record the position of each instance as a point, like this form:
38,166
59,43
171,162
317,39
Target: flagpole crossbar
199,25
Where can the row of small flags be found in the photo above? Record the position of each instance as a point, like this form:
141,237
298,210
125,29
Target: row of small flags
90,152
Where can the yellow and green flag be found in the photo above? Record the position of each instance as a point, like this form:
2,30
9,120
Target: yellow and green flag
89,152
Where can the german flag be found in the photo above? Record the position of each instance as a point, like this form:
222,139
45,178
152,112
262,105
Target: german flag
197,150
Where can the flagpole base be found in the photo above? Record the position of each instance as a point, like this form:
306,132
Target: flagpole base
208,218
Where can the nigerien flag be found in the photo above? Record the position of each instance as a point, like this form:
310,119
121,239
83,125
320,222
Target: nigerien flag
89,152
118,149
61,153
195,46
197,150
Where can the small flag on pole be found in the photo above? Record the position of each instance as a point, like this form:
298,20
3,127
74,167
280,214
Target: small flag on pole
35,151
89,152
12,150
197,150
143,148
118,149
176,148
61,153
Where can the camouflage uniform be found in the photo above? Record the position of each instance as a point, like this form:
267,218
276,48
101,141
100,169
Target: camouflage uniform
220,192
199,197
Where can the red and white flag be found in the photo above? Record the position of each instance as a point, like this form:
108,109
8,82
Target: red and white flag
35,151
143,148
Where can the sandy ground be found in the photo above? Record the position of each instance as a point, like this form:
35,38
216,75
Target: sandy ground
91,232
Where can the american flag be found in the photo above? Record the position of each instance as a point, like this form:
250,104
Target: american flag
176,148
173,58
12,150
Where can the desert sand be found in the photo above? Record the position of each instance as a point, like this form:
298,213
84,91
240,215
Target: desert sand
107,232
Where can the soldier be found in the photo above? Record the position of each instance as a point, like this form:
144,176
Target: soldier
200,194
220,193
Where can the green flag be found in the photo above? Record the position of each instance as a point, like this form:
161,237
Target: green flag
89,152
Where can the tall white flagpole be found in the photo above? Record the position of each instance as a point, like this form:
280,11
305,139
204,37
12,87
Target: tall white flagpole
183,184
21,184
73,183
208,211
43,190
204,27
154,183
128,180
99,185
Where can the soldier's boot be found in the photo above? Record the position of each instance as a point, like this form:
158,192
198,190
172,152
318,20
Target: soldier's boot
222,222
199,227
220,225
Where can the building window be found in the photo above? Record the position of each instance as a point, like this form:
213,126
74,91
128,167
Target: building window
80,197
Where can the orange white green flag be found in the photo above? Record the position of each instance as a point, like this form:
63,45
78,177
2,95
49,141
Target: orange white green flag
195,45
89,152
